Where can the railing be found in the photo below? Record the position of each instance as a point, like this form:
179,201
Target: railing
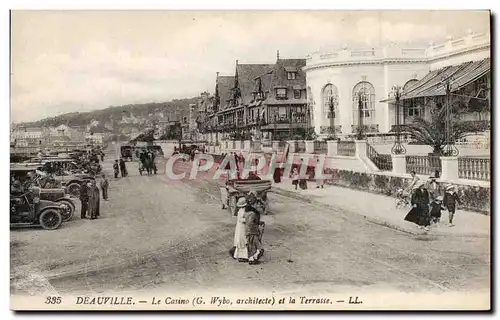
346,148
425,165
300,146
367,128
382,161
329,129
320,147
474,168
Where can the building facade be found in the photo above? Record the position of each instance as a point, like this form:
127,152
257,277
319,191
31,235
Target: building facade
337,81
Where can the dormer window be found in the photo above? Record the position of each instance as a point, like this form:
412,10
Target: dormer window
281,93
291,75
296,94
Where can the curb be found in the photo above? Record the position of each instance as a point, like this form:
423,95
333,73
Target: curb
377,221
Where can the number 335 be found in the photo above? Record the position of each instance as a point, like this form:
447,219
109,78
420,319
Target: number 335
53,300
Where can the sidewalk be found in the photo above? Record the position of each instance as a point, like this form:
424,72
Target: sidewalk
382,210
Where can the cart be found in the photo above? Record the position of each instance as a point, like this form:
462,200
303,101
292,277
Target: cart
254,190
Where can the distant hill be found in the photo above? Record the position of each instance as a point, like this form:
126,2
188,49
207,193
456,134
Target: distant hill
174,110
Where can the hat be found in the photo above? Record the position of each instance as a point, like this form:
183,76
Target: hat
449,187
242,202
439,198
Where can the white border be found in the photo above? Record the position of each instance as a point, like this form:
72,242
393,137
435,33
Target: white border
185,4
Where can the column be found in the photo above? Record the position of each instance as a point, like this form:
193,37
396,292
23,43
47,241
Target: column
291,143
398,163
360,148
332,147
309,146
450,168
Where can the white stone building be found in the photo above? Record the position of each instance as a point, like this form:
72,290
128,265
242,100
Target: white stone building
343,73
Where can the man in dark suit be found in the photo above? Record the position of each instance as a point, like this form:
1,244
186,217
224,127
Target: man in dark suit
84,199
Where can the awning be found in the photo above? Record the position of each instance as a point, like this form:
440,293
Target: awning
461,75
290,69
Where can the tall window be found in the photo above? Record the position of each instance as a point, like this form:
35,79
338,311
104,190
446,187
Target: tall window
366,92
412,107
330,92
291,75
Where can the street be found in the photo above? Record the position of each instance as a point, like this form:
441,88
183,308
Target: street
156,233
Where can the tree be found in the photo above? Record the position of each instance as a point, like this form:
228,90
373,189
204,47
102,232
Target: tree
432,130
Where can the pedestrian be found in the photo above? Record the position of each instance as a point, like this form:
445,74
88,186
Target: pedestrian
295,178
254,229
436,209
116,169
432,187
420,202
450,201
123,168
84,199
104,187
102,156
94,202
414,181
240,250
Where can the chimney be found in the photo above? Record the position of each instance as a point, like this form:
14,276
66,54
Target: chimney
278,55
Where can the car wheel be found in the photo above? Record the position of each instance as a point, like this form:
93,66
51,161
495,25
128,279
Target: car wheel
74,189
50,219
68,214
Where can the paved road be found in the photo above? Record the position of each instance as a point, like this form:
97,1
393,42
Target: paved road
161,234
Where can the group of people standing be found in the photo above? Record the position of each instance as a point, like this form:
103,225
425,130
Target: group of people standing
428,202
90,197
120,167
248,233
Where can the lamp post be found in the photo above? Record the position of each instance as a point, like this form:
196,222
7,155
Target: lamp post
275,118
361,94
449,150
332,104
398,147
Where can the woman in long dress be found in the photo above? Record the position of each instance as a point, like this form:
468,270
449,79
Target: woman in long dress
240,240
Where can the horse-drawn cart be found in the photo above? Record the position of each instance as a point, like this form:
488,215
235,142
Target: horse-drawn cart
254,190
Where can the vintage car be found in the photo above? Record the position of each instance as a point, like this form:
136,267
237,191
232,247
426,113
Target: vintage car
68,177
29,177
27,209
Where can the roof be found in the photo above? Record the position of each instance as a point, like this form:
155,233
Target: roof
280,80
247,75
225,83
461,75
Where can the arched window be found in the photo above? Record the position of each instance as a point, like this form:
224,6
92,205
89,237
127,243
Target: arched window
365,92
330,96
412,107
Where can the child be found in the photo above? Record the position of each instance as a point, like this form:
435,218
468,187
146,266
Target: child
104,187
450,201
436,208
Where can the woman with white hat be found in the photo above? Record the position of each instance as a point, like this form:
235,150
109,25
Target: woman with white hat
240,240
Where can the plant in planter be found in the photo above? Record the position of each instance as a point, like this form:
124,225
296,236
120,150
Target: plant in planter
431,130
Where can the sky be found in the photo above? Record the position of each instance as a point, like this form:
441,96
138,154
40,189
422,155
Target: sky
69,61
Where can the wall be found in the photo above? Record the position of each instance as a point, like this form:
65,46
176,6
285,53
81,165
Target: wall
473,198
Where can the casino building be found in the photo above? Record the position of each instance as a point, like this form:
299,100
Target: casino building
337,79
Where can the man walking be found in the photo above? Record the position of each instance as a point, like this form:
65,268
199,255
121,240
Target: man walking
84,199
104,187
254,230
116,169
123,168
94,202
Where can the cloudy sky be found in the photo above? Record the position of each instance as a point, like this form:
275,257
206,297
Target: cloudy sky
66,61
